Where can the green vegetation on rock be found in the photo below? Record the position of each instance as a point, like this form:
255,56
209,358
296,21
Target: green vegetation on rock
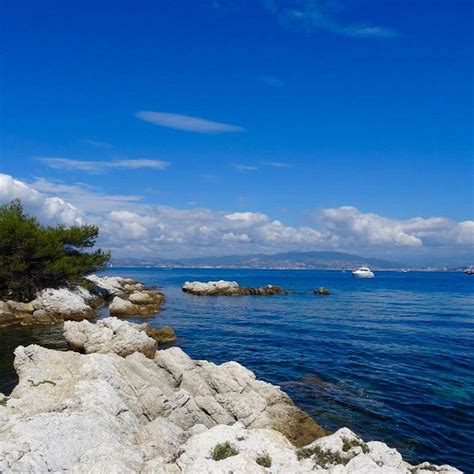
34,257
322,458
222,451
265,460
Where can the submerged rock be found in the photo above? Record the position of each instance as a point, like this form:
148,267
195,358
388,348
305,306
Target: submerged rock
163,335
106,413
228,288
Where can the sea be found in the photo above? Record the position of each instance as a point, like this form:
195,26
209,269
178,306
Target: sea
392,358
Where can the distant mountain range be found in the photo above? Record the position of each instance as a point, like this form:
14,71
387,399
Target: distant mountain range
286,260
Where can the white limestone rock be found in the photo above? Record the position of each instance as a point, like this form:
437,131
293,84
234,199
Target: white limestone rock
113,285
145,304
228,288
140,297
211,287
109,335
122,307
65,303
105,413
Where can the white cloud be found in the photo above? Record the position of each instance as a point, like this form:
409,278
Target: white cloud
97,167
49,210
236,237
242,168
186,122
353,227
87,198
130,227
314,14
276,164
465,233
247,217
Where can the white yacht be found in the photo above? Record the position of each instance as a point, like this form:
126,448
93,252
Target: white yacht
363,272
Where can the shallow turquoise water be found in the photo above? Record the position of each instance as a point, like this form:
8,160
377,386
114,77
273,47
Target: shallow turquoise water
391,358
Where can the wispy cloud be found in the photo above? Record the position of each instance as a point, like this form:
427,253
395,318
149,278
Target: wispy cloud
243,168
88,198
96,144
272,81
276,164
97,167
186,122
314,14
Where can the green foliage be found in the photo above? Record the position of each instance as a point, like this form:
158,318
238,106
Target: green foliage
223,451
33,257
265,460
348,444
321,457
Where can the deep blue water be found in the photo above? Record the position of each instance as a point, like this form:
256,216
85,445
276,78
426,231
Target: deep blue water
391,358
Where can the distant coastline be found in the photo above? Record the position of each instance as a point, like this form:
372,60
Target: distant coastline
318,260
241,267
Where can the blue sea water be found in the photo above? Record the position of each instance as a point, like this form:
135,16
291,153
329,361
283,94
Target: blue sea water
391,358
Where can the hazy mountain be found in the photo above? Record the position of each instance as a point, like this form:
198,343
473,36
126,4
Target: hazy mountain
303,260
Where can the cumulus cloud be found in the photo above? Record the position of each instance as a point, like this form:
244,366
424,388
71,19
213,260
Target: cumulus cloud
97,167
49,210
131,227
186,122
353,227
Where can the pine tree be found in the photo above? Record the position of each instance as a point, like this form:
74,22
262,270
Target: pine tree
33,257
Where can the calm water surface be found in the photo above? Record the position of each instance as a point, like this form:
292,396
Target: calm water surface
391,358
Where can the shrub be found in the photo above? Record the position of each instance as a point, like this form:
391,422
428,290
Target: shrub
321,457
265,460
348,444
33,257
223,451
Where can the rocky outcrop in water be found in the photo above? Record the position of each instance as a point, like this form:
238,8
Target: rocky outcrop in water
322,291
162,335
101,412
52,306
228,288
109,335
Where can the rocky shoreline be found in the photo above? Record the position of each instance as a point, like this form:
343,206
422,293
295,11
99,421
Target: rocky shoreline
116,402
122,405
53,306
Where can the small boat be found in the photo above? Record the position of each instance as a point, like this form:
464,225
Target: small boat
363,272
469,271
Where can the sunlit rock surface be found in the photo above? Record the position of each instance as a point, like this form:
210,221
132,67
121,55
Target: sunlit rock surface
101,412
228,288
108,335
52,306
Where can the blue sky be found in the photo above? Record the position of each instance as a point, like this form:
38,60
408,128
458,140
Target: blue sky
292,110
